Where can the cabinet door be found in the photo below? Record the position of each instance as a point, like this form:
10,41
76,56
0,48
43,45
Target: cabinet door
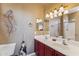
41,49
58,54
49,51
36,47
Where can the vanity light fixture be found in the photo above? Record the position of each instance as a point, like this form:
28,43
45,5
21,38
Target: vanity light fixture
57,13
51,14
38,20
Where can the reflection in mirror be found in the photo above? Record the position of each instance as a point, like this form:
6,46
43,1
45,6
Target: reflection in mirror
74,19
40,25
54,26
70,25
71,28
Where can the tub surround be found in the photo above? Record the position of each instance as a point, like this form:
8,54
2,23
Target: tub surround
71,49
7,49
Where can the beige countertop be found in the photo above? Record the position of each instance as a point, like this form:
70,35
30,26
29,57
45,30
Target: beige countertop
71,49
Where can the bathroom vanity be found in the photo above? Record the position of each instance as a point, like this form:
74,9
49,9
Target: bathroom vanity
44,50
47,47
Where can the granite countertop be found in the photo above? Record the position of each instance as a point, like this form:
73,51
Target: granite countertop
72,49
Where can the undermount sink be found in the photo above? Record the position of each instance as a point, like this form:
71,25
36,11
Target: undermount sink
57,40
70,44
64,42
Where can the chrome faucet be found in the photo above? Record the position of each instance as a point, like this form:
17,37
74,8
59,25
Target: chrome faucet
64,42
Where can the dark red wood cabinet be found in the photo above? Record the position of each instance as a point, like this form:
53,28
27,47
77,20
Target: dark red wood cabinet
58,53
39,48
44,50
36,47
49,51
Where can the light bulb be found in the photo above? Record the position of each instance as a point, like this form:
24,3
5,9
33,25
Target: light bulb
47,15
59,14
37,20
55,12
51,14
61,9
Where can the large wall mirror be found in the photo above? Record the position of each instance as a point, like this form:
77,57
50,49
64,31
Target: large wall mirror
70,25
54,25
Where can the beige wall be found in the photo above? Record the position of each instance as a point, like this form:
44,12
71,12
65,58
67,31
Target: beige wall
33,10
3,34
23,14
51,7
76,16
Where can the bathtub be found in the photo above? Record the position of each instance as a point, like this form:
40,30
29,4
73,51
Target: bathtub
7,49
